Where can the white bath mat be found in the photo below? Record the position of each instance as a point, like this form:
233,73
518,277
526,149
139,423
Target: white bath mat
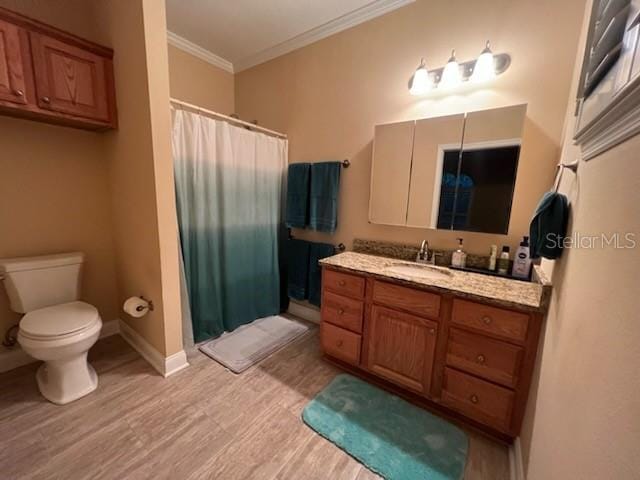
251,343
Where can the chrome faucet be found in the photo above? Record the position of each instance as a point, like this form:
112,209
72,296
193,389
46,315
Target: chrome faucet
425,255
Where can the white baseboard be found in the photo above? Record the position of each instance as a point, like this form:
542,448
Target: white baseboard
516,465
165,366
16,357
304,310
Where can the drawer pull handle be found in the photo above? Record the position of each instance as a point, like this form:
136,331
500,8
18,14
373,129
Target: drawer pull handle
480,358
339,343
46,99
341,311
432,331
486,319
342,283
19,93
473,398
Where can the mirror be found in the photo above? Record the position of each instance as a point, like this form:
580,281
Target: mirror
456,172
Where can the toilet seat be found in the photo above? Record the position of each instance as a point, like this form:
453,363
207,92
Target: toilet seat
59,321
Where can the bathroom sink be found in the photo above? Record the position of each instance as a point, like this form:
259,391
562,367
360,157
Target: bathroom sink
419,271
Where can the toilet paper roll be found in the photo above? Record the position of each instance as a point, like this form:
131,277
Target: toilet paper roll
136,307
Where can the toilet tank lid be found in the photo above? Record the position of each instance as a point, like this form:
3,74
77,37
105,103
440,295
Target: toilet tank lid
44,261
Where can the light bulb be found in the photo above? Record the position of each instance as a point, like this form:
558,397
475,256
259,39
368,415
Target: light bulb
451,74
420,82
485,68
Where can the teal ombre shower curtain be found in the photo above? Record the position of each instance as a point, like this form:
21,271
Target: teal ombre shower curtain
229,186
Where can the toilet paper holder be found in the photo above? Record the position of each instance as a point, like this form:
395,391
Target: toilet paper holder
140,308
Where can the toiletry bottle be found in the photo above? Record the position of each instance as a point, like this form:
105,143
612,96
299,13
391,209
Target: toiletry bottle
503,261
493,256
522,262
459,257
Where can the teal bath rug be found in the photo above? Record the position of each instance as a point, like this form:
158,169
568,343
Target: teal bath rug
393,438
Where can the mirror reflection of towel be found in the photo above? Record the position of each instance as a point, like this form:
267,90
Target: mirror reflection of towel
549,226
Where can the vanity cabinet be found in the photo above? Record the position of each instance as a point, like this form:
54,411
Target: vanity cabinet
52,76
469,359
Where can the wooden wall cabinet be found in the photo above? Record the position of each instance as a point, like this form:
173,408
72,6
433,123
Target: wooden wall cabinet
53,76
467,359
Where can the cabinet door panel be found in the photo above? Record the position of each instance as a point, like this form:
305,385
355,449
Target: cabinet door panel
70,80
401,348
12,81
433,137
390,173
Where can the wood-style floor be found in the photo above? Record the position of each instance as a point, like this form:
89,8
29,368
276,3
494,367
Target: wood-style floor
203,422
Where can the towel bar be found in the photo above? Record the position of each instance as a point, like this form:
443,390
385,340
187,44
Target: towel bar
573,166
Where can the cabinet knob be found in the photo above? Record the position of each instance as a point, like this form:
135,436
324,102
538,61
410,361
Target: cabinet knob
432,331
46,99
480,358
339,343
486,319
341,311
473,398
342,283
19,93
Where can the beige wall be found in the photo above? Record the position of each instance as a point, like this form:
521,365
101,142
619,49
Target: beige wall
329,95
54,186
583,416
141,172
195,81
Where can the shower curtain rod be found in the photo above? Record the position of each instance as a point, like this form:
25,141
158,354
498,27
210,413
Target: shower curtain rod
211,113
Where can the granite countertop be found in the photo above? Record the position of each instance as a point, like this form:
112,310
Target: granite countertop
529,296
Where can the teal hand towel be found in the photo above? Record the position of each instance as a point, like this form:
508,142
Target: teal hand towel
297,254
297,210
323,204
317,252
549,226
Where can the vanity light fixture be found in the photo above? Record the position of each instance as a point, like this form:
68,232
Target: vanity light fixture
486,67
420,81
451,76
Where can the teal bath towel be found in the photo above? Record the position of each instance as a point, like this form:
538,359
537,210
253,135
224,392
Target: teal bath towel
297,210
297,253
323,204
317,252
549,226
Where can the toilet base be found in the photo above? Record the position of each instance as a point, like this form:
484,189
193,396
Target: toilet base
63,381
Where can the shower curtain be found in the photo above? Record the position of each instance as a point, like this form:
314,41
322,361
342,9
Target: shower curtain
229,191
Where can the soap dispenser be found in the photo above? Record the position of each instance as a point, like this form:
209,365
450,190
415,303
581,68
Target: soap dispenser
459,257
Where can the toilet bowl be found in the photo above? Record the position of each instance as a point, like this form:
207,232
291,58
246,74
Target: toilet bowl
61,336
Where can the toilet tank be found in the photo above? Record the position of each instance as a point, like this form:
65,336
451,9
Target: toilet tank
36,282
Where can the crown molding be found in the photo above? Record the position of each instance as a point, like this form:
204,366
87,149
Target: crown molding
361,15
197,51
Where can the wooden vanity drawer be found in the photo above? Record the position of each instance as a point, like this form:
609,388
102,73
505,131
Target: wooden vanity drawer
482,401
487,358
342,311
492,320
340,343
410,300
344,283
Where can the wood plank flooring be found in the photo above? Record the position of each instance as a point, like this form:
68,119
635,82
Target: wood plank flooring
202,423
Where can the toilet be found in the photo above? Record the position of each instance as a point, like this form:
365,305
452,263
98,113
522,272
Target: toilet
57,328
